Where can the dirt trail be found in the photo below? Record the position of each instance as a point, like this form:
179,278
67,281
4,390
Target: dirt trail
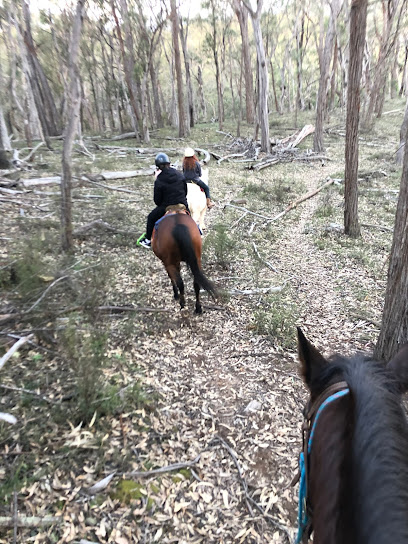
218,379
209,369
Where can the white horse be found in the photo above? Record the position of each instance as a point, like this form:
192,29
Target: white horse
197,201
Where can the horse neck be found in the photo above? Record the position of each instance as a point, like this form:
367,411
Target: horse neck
380,462
359,465
330,478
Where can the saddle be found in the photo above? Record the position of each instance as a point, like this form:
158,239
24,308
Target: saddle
176,208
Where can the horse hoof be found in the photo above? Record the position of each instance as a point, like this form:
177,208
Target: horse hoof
198,310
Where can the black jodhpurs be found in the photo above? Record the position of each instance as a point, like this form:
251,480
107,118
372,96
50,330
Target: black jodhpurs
154,216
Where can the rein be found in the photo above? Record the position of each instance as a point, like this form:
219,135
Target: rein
311,416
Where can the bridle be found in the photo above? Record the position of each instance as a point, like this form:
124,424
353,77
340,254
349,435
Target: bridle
312,412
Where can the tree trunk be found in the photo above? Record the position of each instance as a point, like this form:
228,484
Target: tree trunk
321,106
177,64
262,69
44,100
392,17
333,76
156,97
358,21
300,33
404,77
73,98
394,327
201,92
128,68
403,138
394,73
214,46
189,85
242,16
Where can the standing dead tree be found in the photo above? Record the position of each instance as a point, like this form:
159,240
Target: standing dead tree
73,97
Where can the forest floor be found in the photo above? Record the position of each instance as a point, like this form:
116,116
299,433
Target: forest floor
104,394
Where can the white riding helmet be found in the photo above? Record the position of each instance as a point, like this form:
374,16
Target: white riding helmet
189,152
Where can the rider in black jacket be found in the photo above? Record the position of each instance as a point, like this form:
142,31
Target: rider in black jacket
170,188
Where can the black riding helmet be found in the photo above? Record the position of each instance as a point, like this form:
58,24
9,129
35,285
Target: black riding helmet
161,160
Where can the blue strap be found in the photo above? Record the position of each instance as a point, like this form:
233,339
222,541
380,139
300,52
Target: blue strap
165,215
302,511
330,399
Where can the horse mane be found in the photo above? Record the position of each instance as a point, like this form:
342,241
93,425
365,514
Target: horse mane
379,455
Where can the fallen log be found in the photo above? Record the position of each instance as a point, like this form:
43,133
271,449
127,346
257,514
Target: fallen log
309,195
14,348
28,521
207,157
98,224
125,136
295,139
56,180
294,204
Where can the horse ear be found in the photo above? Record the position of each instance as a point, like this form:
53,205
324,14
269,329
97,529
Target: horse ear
312,362
399,367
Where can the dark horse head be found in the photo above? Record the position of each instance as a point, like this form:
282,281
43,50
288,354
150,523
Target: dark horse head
176,238
356,451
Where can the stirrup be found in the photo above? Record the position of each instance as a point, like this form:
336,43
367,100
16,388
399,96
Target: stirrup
140,239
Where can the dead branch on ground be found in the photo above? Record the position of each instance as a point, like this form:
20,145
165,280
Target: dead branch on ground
14,348
28,521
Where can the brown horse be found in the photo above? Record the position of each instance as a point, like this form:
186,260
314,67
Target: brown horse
177,238
354,464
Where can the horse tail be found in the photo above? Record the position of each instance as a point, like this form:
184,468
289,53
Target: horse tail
182,236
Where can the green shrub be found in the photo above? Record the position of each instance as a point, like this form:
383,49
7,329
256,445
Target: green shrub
222,244
277,318
84,350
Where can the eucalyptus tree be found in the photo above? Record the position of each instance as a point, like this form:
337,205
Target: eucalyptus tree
73,98
213,42
394,326
43,97
324,62
174,16
246,68
393,12
262,75
128,59
184,24
403,138
358,21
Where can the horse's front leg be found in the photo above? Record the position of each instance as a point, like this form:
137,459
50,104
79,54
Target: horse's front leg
198,307
202,216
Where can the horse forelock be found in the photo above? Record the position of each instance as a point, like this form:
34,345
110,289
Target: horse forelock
377,478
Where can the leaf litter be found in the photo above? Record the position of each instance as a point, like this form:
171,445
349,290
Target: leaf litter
225,394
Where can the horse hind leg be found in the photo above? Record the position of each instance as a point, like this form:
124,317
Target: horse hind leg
177,284
198,307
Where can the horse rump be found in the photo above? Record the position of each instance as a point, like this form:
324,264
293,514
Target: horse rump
190,252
